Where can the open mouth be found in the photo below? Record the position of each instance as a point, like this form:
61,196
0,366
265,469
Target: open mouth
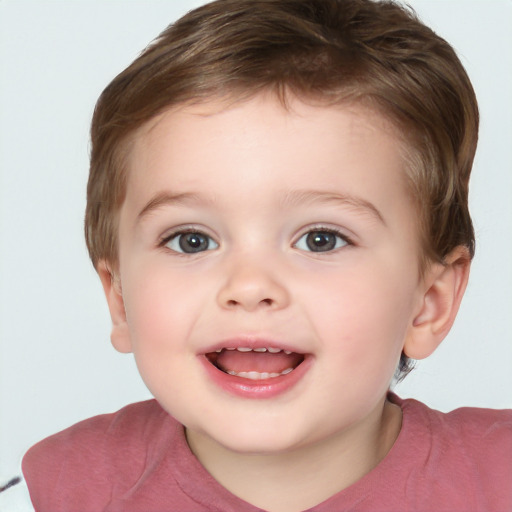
259,363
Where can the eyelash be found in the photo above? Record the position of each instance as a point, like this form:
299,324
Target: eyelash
180,231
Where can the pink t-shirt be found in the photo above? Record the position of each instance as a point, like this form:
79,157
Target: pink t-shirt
137,460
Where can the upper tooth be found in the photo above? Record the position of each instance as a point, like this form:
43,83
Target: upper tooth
272,350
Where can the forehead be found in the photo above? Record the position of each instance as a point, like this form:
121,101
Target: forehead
229,150
262,122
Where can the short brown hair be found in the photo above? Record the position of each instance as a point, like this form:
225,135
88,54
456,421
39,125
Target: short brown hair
378,53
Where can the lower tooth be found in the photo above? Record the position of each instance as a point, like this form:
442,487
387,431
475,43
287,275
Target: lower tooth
250,375
257,375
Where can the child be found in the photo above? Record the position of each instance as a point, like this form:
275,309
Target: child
277,210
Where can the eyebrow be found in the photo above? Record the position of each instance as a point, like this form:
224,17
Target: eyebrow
298,197
293,198
169,199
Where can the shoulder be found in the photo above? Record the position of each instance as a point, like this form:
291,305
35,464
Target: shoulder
95,437
481,436
491,427
99,453
465,454
487,425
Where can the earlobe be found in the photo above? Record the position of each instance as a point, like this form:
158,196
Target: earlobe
120,334
444,287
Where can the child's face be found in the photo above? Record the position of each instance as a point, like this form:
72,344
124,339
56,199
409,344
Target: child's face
260,227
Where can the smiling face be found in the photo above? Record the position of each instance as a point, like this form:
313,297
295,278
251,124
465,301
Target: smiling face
286,235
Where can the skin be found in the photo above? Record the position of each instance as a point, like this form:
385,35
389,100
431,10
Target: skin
256,179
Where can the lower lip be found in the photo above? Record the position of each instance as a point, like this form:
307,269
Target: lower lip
264,388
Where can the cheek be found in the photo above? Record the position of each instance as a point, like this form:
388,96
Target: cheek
160,311
160,307
365,315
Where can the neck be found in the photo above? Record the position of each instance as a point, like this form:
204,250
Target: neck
301,478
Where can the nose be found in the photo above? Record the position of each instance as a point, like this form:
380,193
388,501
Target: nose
251,286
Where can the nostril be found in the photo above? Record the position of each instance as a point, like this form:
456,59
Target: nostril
265,302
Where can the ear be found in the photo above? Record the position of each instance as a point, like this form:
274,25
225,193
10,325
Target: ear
444,285
120,334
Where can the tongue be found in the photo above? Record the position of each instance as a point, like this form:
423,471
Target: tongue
256,361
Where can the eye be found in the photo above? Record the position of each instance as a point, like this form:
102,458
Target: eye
190,242
321,240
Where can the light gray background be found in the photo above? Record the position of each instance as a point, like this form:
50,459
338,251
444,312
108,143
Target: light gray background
57,365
